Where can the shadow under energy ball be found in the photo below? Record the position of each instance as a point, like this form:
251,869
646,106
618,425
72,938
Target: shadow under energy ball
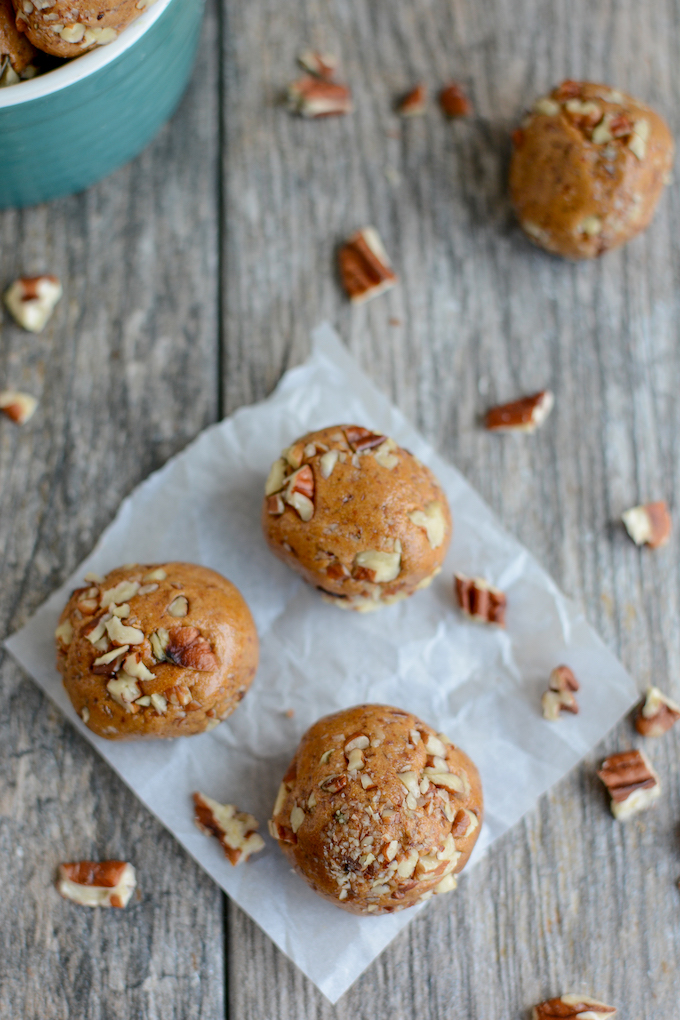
357,516
589,164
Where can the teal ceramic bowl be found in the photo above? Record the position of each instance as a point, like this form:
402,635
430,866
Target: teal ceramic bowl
70,127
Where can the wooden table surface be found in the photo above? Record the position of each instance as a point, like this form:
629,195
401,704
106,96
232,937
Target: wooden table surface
192,280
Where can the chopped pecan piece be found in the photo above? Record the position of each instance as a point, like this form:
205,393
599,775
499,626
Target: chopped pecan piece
275,505
657,714
31,300
236,830
523,415
480,600
322,65
97,883
572,1007
186,647
414,102
560,695
360,438
649,524
317,97
377,567
18,407
365,268
632,783
453,101
300,492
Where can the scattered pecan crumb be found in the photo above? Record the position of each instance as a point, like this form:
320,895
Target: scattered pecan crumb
316,97
572,1007
560,694
236,830
523,415
632,783
454,102
18,407
365,268
97,883
32,299
649,524
479,600
414,102
657,714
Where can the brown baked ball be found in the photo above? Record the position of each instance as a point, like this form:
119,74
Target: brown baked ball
13,44
65,29
588,166
164,650
377,812
357,516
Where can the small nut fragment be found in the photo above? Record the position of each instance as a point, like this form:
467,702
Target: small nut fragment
649,524
31,300
361,439
414,102
632,783
432,519
64,633
317,97
186,647
657,714
453,101
365,268
120,594
547,107
572,1007
159,702
155,575
179,606
17,406
276,477
322,65
97,883
523,415
328,462
275,505
480,600
122,635
560,695
124,690
378,567
159,641
236,830
385,455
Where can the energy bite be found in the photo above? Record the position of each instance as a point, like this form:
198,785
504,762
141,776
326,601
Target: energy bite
588,167
14,46
66,30
151,651
356,516
377,812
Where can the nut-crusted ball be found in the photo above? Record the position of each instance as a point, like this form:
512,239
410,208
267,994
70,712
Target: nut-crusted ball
588,166
165,650
377,812
357,516
13,44
65,29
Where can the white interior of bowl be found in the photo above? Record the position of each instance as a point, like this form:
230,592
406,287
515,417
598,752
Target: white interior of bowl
80,67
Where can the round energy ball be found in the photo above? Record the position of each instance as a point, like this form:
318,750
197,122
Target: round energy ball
13,44
377,812
164,650
357,516
588,166
64,30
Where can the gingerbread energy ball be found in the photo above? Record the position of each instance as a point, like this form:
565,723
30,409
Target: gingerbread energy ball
65,29
14,46
377,812
163,650
357,516
588,166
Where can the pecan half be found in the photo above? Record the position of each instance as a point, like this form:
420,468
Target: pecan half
18,407
97,883
32,299
523,415
453,101
317,97
657,714
414,102
236,830
480,600
576,1007
186,647
560,695
365,268
632,783
649,524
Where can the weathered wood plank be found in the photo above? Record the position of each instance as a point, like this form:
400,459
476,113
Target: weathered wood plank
570,898
126,376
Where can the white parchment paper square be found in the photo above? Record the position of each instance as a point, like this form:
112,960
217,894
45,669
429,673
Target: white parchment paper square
481,686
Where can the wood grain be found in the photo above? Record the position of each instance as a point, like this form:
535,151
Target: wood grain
569,899
125,373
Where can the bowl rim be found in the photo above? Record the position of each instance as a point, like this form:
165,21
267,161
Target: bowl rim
82,67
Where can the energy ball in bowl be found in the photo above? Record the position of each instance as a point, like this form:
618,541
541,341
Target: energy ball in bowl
588,166
65,30
14,46
357,516
165,650
377,812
